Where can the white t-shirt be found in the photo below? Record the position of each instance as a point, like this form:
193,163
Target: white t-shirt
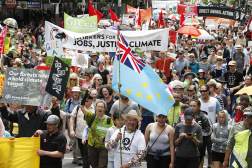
80,123
128,151
211,108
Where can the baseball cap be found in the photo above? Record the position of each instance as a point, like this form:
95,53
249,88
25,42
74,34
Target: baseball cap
181,50
203,56
52,119
189,113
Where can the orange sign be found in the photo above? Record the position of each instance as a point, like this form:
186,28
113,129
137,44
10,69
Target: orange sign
222,20
145,14
1,83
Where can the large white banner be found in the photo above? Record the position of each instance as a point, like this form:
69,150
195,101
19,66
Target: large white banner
105,40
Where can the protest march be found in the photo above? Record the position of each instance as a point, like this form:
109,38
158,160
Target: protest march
131,84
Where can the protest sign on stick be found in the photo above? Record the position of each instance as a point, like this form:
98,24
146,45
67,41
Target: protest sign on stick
58,78
1,83
173,36
26,87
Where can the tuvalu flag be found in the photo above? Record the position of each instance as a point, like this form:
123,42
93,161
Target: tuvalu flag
139,82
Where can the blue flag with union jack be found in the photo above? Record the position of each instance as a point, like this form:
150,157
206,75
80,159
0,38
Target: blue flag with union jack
139,82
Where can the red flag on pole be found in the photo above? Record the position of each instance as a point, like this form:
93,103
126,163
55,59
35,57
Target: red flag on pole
93,12
160,20
139,18
99,15
182,19
113,16
2,39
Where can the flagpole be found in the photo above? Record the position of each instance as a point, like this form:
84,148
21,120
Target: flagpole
119,88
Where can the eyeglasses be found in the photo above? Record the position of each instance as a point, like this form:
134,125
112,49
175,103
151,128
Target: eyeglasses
219,60
73,79
189,90
247,116
99,79
203,91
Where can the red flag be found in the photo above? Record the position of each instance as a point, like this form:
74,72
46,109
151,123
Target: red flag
99,15
139,18
93,12
233,6
160,20
113,16
2,39
182,19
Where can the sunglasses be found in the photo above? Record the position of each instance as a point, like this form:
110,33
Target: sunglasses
99,79
189,90
238,109
203,91
73,79
219,60
247,116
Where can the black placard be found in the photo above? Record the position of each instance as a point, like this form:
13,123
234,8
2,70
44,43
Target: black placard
228,13
58,78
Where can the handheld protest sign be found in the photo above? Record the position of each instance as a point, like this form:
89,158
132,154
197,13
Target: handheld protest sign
83,101
26,87
54,48
58,78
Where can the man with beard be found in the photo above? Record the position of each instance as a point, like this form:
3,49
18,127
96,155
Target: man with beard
126,105
52,144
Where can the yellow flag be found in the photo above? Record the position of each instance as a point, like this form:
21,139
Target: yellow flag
6,45
19,153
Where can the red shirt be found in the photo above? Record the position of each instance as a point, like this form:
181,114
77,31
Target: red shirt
160,65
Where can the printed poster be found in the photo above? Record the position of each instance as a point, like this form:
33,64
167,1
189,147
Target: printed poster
26,87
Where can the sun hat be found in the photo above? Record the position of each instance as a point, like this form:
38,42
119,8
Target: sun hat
232,63
132,113
76,89
190,74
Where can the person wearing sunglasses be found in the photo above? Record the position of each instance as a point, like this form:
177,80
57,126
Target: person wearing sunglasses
87,81
212,58
74,81
219,68
180,62
191,92
210,105
239,142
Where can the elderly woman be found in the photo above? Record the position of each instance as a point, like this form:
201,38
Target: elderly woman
87,81
187,138
219,68
99,124
191,92
103,72
161,149
74,81
97,82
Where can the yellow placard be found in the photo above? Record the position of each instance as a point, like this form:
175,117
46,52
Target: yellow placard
6,45
1,83
19,153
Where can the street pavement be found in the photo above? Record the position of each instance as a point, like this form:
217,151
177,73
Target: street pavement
68,157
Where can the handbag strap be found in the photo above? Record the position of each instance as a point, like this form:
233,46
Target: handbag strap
156,139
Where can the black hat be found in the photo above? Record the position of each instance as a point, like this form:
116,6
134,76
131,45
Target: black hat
26,55
189,113
221,79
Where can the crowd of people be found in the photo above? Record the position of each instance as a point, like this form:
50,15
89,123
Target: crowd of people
202,75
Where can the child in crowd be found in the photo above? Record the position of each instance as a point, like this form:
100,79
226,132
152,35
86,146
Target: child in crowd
201,77
117,125
181,115
219,138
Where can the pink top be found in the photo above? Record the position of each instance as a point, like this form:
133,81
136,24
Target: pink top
85,84
169,87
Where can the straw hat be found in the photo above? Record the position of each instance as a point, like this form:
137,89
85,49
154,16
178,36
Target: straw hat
132,113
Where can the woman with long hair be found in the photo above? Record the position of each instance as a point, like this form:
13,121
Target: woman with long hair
74,81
